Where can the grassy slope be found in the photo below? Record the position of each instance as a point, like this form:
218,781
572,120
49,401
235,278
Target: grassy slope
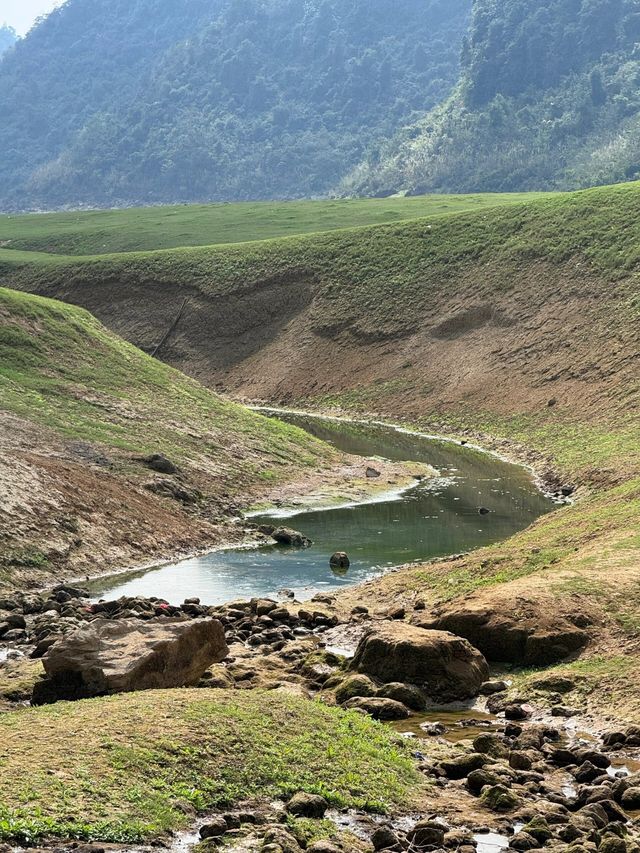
61,368
103,232
383,280
388,270
132,766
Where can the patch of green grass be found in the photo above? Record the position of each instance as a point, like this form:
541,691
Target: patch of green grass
306,831
141,229
129,767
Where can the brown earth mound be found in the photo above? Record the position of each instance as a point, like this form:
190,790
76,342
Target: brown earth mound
519,631
548,336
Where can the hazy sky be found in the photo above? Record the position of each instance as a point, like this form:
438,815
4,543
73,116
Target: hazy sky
20,14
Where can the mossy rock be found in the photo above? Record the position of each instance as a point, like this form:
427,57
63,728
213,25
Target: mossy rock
499,798
539,829
354,685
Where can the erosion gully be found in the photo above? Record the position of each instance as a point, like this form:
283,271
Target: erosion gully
476,498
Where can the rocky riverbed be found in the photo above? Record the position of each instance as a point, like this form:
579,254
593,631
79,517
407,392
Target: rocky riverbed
520,773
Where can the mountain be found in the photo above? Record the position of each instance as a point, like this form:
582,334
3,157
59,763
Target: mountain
8,38
548,99
120,101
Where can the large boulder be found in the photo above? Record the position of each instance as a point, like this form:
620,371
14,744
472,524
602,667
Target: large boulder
445,666
124,655
513,630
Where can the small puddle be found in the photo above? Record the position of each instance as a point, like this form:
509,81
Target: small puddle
625,766
460,724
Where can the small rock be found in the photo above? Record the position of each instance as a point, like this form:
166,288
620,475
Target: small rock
427,833
491,687
539,829
288,536
354,685
462,765
160,463
322,846
378,708
519,761
214,828
612,844
395,613
587,772
522,841
563,711
433,729
307,805
372,473
339,560
499,798
407,694
490,744
516,712
631,799
384,838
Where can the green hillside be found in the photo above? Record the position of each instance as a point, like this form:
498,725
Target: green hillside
548,99
122,782
139,229
144,101
59,367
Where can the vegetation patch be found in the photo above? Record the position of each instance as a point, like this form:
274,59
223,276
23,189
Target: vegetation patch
129,767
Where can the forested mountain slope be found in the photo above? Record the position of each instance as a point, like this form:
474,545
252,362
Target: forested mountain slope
8,38
549,98
121,101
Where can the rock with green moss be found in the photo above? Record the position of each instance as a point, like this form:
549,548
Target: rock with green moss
499,798
354,685
612,844
539,829
462,765
522,842
307,805
378,708
278,840
490,744
480,778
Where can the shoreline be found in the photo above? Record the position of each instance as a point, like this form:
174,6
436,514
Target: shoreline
289,511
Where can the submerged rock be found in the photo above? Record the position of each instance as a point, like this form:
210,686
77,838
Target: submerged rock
446,666
121,656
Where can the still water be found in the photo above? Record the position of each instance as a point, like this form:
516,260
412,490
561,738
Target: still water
433,518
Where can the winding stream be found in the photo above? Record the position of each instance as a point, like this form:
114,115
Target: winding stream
433,518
